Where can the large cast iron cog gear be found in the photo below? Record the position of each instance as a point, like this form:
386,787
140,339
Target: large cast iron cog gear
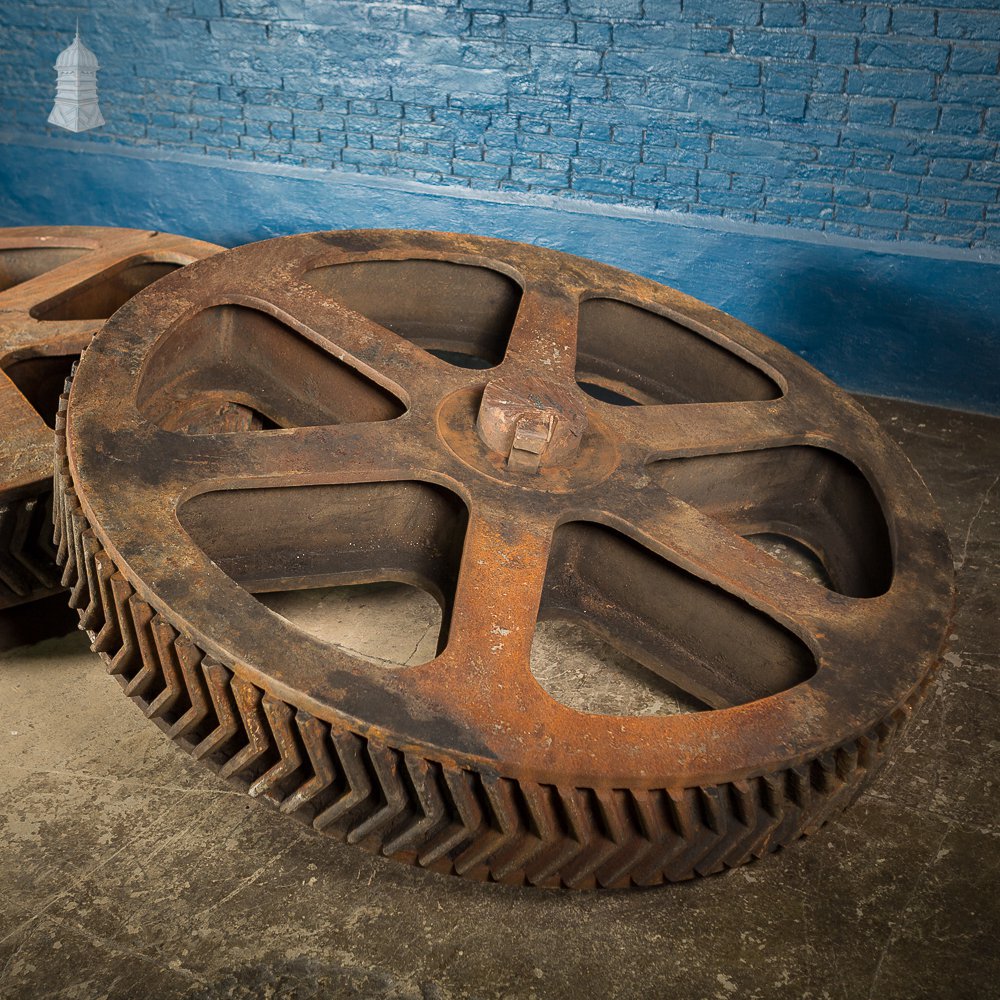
58,284
524,434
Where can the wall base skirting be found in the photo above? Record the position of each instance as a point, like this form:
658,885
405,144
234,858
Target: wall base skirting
875,318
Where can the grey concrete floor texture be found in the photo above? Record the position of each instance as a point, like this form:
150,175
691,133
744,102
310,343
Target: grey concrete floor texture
129,870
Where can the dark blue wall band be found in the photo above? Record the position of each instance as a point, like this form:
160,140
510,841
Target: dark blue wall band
922,326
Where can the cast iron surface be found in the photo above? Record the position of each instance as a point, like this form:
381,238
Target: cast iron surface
526,435
57,286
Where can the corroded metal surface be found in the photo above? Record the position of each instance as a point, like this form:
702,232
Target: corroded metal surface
57,286
360,406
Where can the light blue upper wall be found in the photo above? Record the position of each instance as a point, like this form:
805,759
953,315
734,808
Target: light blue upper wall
861,119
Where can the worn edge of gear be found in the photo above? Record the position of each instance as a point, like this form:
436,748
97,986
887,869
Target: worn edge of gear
433,813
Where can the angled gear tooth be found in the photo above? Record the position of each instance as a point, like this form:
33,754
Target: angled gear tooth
149,670
868,751
534,835
564,846
864,756
91,614
69,576
189,658
61,499
774,805
349,748
248,698
743,803
583,870
704,860
639,846
68,559
217,678
78,592
773,797
77,581
163,639
800,786
58,497
467,818
833,792
824,773
108,636
682,809
126,659
431,812
713,809
742,811
279,718
502,829
680,831
781,803
847,762
385,765
61,518
314,735
655,825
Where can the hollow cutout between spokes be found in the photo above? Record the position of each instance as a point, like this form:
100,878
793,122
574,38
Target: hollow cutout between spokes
389,624
703,640
586,673
232,368
627,355
279,539
461,313
103,295
807,497
19,264
41,380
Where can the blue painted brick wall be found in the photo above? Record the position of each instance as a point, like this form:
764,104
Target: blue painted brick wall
880,121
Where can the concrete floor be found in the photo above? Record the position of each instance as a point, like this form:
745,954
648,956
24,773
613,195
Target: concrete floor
127,870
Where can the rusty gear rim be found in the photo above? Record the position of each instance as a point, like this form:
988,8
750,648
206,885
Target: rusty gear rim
57,286
464,764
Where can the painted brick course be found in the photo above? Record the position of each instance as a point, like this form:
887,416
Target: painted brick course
861,119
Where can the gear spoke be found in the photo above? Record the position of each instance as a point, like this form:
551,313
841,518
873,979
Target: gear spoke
711,551
91,267
543,339
345,453
62,336
672,430
106,253
491,623
376,351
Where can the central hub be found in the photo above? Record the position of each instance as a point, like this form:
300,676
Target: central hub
533,422
588,459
